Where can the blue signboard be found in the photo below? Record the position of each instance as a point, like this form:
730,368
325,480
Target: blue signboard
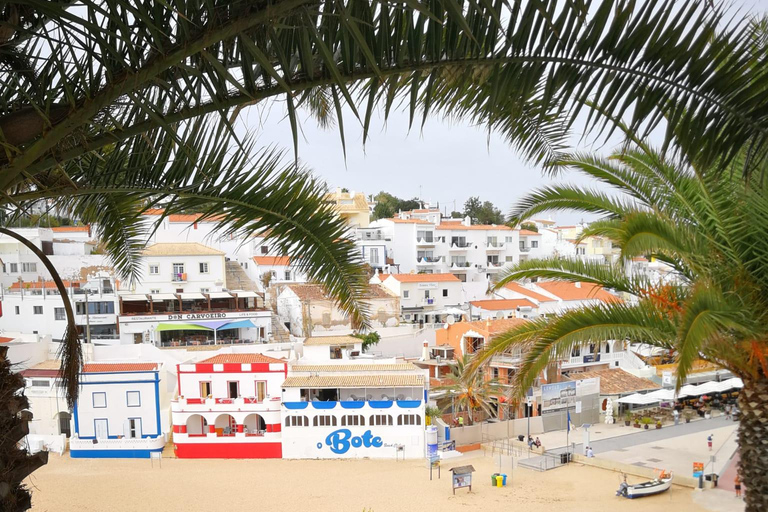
341,440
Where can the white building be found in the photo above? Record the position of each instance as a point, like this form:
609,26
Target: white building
503,308
118,412
424,297
181,268
47,402
307,310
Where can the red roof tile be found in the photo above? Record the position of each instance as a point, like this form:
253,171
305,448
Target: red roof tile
501,304
240,358
492,327
3,339
518,288
577,291
409,221
425,278
528,232
118,367
272,260
71,229
486,227
37,285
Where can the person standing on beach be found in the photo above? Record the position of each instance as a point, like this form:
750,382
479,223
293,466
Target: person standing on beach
737,486
709,441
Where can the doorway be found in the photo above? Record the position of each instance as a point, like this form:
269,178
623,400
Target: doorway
101,429
64,424
233,386
133,428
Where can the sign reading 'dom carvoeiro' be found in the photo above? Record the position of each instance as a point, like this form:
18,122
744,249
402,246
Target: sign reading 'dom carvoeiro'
341,440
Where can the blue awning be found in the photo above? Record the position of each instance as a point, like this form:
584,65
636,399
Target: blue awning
240,324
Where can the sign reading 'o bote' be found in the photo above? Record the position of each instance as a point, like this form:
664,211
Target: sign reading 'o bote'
341,440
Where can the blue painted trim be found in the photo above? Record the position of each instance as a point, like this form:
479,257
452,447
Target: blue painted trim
93,400
127,403
157,404
408,404
118,382
295,405
119,373
323,405
380,404
352,404
77,422
113,454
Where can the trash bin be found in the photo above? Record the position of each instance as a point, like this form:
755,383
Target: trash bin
521,438
504,479
564,458
499,481
711,477
493,479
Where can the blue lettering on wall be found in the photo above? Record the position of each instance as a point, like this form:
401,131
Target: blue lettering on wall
340,440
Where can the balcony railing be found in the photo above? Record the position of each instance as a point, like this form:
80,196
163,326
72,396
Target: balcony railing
179,278
224,404
430,260
494,246
525,248
462,246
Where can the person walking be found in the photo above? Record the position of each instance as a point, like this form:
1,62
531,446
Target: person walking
737,486
709,441
728,412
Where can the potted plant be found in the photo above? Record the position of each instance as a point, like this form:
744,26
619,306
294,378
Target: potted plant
688,414
646,421
627,418
637,422
658,424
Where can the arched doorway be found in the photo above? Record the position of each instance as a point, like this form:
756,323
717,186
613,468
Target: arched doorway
64,423
225,425
196,425
254,423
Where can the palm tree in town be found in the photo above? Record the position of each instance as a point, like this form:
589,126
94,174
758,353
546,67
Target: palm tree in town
467,389
711,228
110,107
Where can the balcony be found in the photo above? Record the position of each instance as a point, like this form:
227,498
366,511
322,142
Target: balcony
591,358
139,446
179,278
426,242
461,266
506,360
428,302
494,266
429,261
525,248
224,404
494,246
461,246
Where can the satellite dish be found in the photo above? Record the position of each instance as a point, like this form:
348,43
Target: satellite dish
499,316
445,326
450,320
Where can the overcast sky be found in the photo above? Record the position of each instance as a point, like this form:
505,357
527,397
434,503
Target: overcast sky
445,163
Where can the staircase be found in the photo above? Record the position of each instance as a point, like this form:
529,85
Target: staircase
237,279
279,333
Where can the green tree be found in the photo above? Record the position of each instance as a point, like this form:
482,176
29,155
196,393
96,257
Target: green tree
468,390
530,226
712,230
369,339
110,107
387,205
482,212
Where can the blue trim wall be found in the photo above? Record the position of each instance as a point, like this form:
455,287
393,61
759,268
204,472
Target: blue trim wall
157,403
112,454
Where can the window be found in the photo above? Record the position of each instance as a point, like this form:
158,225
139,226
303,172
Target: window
154,269
380,419
99,400
335,352
534,244
38,310
261,390
14,268
509,239
203,268
29,267
95,308
576,352
296,421
509,259
133,398
445,292
495,374
154,291
374,255
59,314
205,389
352,420
409,419
233,387
134,428
178,272
16,308
426,294
40,383
287,275
324,421
264,249
406,293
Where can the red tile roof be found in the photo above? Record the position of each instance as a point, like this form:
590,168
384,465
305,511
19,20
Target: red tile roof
71,229
409,221
485,227
502,304
240,358
37,285
425,278
382,277
153,211
3,339
118,367
496,326
577,291
193,217
518,288
528,232
272,260
615,381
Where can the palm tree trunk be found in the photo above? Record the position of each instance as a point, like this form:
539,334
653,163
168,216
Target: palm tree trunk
753,443
15,463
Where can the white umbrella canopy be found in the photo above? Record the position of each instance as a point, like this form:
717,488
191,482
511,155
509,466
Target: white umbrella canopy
452,311
690,390
638,399
734,383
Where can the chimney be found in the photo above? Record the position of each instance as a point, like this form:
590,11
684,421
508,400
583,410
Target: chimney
425,351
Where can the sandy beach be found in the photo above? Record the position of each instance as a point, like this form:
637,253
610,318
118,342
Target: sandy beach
330,485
